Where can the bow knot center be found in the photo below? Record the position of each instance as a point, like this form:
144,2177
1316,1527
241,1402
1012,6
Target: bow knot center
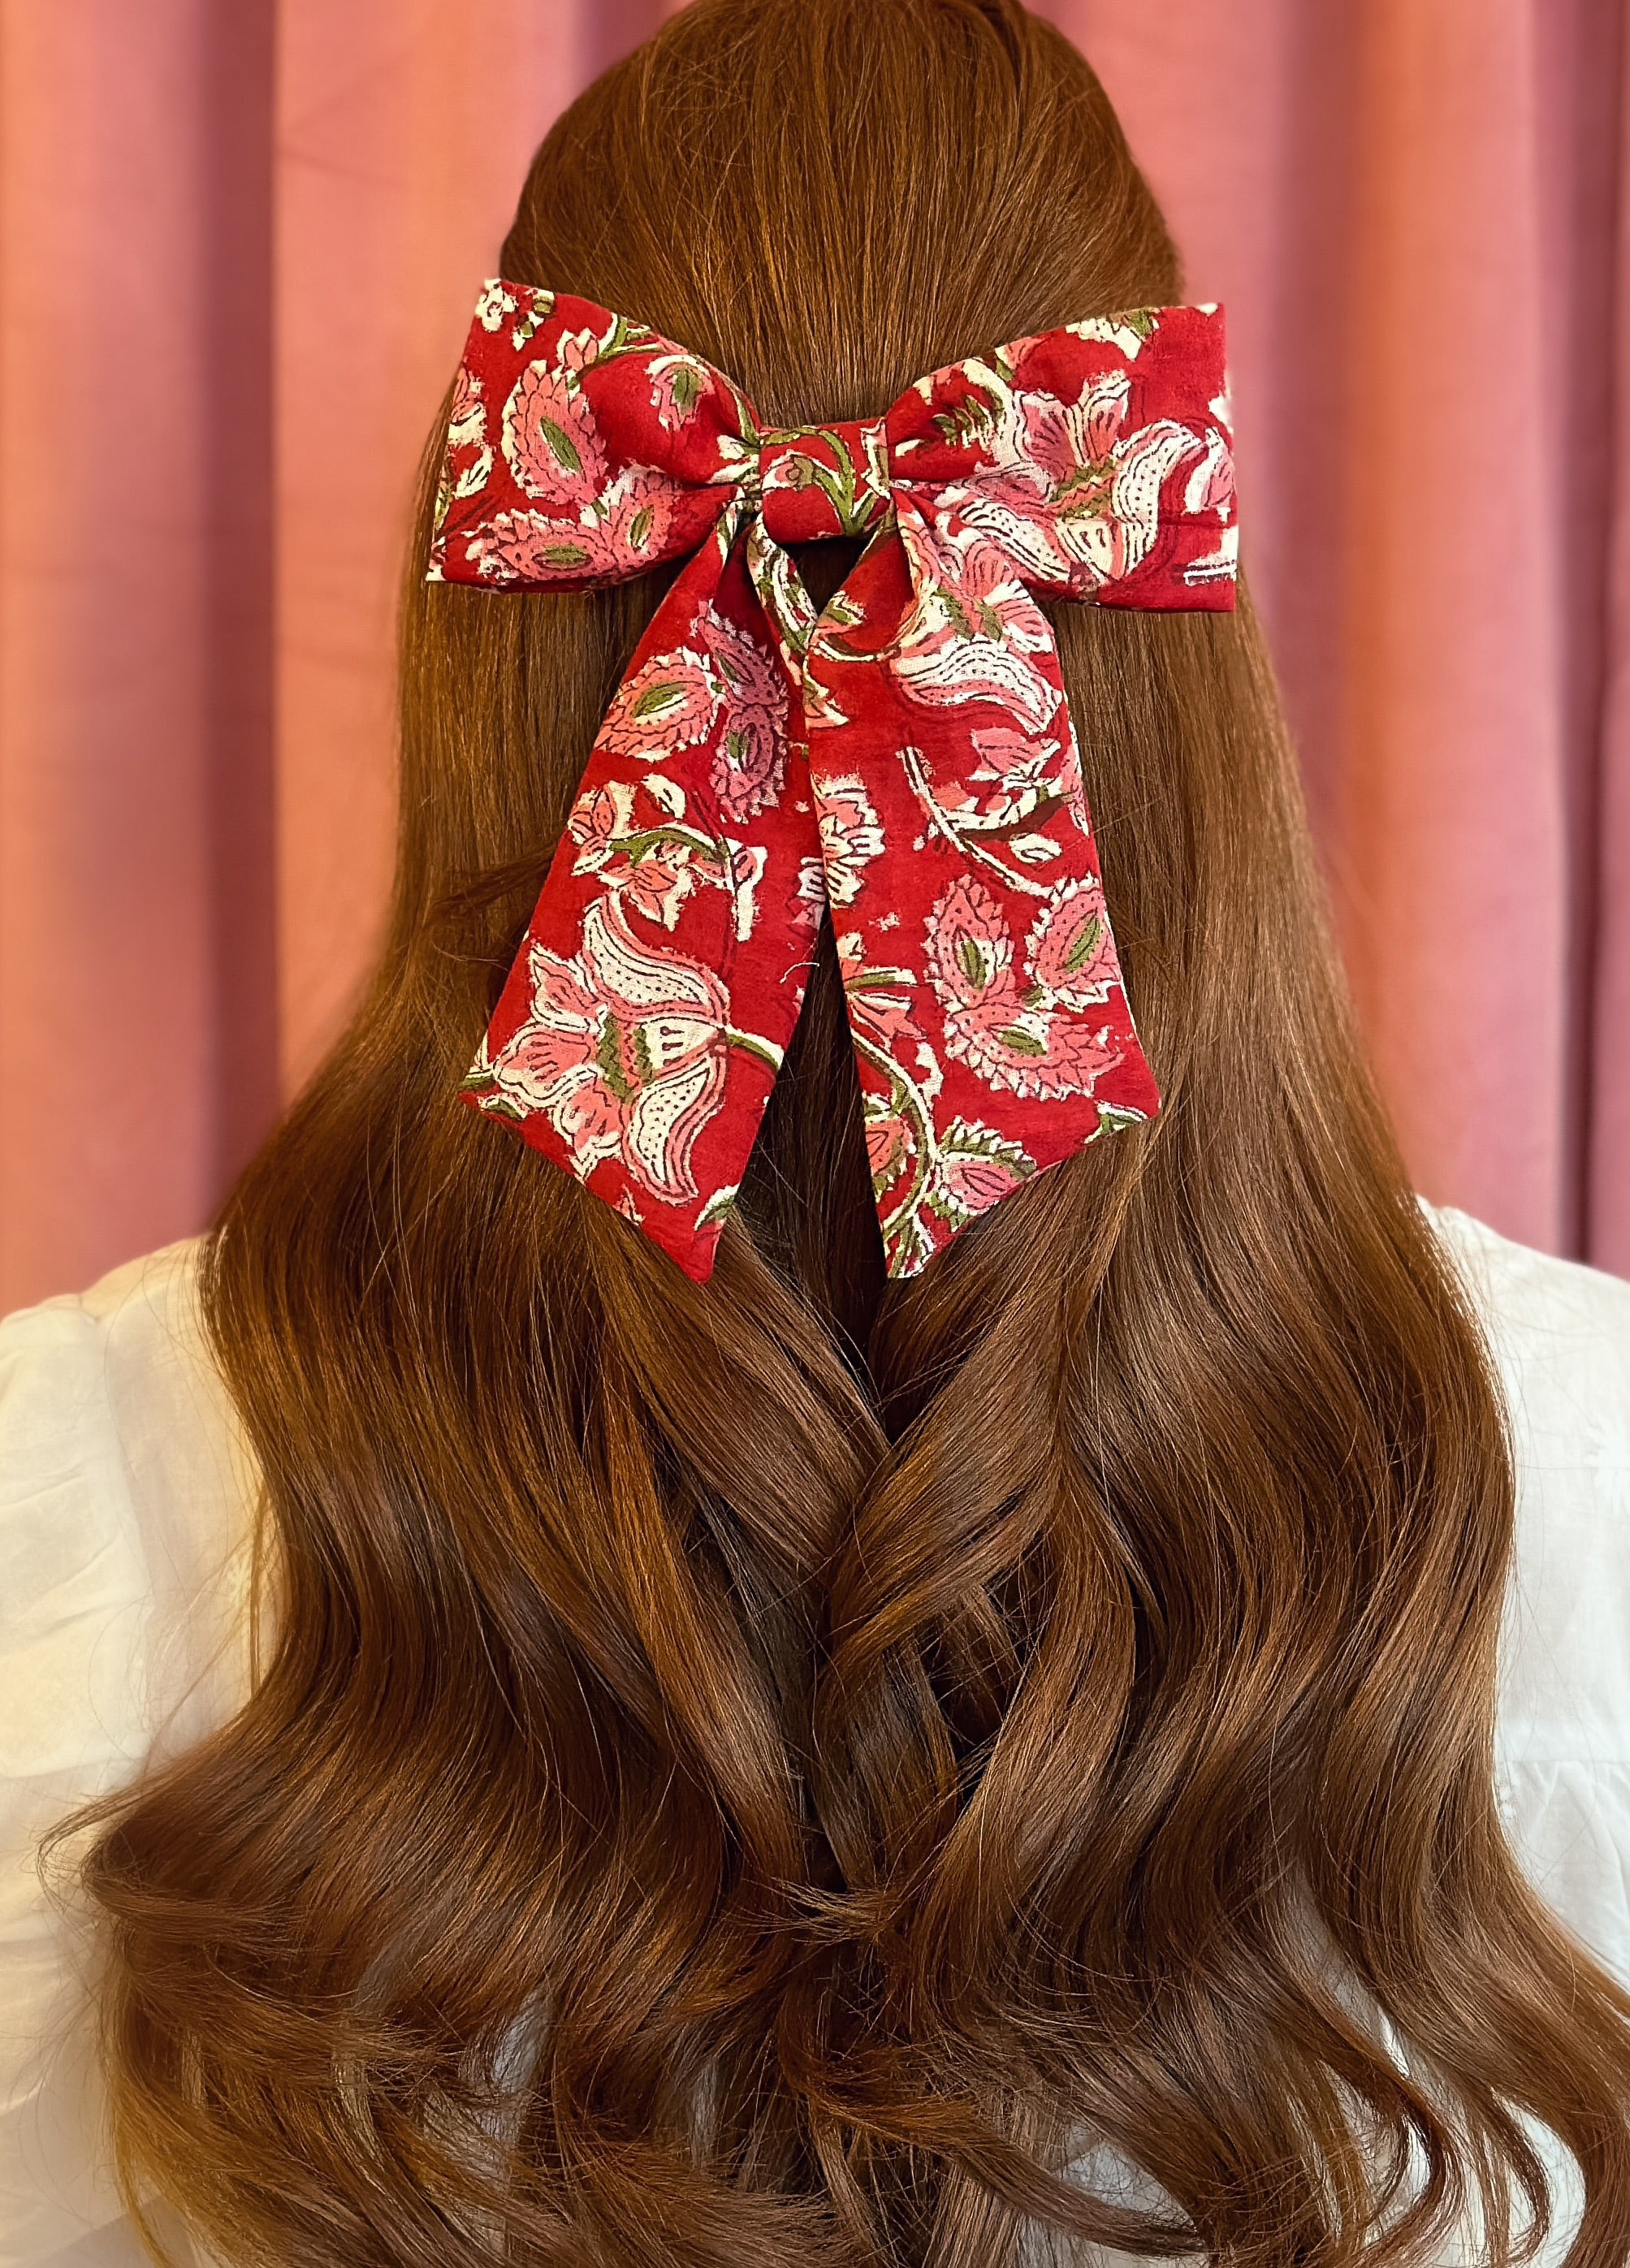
817,480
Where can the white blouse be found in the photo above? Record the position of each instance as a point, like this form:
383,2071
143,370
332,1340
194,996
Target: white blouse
126,1502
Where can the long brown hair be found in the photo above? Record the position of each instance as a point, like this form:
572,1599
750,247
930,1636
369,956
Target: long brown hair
777,1771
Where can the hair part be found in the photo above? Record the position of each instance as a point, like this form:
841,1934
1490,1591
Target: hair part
792,1767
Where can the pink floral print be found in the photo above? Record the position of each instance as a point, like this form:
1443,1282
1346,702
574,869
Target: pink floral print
750,753
850,837
1013,1027
550,438
678,382
624,1050
905,759
669,702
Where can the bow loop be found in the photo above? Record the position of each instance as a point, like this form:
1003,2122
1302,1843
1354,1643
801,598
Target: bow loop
824,480
904,760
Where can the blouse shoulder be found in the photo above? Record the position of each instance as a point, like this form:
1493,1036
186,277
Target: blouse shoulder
1559,1334
1560,1328
124,1474
126,1511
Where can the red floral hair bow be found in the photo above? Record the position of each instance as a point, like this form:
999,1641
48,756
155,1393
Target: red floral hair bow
905,756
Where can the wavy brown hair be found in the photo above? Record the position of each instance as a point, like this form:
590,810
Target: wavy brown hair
781,1769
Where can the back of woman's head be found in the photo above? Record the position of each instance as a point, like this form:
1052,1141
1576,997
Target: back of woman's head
781,1768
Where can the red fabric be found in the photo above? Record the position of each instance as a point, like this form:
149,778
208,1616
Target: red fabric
906,757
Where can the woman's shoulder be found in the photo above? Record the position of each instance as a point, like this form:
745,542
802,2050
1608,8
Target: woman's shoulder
127,1495
1559,1334
1559,1327
115,1421
126,1512
1560,1337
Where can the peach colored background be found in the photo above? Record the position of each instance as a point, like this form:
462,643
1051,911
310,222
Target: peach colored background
218,222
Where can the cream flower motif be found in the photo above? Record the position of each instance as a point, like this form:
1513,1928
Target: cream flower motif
574,350
468,417
1112,544
625,1051
812,882
975,1168
493,304
1024,773
748,862
657,881
598,817
1100,486
851,836
468,460
973,629
1111,331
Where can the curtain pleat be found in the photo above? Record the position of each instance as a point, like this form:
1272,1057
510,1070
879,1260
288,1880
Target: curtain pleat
137,953
1607,1131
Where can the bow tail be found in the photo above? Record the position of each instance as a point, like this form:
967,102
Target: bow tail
642,1024
991,1030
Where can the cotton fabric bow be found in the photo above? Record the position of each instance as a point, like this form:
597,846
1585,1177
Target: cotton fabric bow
906,756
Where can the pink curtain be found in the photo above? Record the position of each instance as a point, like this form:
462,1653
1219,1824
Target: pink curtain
217,224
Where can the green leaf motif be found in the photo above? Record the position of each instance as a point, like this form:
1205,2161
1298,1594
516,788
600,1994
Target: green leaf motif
971,421
565,555
964,1140
658,699
719,1204
639,528
561,442
971,961
957,612
687,394
609,1057
906,1245
1085,945
1021,1042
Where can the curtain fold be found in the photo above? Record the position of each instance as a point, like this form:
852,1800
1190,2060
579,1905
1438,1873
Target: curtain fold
238,249
1607,792
137,1055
